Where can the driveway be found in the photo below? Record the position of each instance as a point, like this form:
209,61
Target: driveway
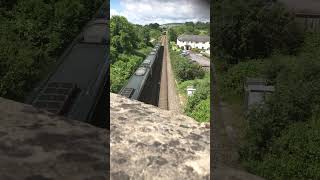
202,60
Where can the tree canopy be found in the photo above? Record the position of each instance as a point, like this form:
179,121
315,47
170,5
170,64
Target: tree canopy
252,29
190,28
33,35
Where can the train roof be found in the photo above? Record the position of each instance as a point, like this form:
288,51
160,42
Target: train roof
134,86
84,65
136,81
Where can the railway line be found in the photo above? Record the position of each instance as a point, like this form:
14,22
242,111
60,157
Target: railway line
168,98
153,82
76,86
143,85
163,95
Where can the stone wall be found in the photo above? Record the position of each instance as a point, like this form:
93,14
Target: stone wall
149,143
37,145
146,143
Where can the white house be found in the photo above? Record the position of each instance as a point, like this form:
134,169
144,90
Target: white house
193,41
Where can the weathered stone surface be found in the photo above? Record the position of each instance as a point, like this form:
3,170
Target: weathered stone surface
150,143
38,145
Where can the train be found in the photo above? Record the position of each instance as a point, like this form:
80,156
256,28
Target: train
77,87
144,84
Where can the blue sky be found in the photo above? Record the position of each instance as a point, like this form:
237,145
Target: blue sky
115,4
160,11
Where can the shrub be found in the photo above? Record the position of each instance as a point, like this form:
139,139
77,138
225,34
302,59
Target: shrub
122,69
201,111
279,132
294,155
184,69
202,93
232,82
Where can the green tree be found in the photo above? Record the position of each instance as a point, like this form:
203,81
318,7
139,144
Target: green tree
252,29
124,38
172,35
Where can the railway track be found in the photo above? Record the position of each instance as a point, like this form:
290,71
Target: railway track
163,96
74,88
168,98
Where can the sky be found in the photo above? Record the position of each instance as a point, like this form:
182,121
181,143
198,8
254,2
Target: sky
161,11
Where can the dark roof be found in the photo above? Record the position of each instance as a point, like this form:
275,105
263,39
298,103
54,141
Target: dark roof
83,64
303,7
194,38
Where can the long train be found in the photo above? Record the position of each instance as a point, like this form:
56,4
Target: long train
144,84
78,85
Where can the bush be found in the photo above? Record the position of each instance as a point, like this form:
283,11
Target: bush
121,71
202,93
201,111
184,69
280,132
294,155
232,82
251,29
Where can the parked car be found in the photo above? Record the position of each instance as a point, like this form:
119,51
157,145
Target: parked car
185,53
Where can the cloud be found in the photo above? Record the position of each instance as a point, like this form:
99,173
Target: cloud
163,11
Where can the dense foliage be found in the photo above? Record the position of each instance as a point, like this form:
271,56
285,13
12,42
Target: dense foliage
260,39
232,83
130,44
282,138
184,69
250,29
294,104
33,34
198,105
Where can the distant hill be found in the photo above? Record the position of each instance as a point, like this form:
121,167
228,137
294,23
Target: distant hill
170,24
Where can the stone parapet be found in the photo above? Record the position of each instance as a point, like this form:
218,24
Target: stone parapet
151,143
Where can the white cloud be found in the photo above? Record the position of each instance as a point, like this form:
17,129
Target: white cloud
163,11
114,12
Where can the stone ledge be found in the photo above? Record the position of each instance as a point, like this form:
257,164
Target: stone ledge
150,143
35,144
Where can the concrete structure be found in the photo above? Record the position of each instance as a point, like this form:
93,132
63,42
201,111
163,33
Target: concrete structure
193,41
307,13
257,91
